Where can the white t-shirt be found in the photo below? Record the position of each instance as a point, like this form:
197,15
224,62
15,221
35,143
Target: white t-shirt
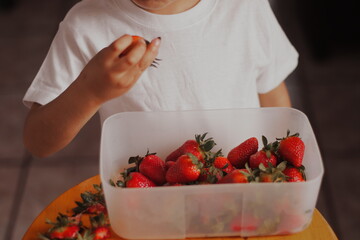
219,54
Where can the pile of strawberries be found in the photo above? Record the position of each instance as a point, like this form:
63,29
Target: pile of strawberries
195,162
72,226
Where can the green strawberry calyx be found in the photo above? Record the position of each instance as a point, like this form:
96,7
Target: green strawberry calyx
269,148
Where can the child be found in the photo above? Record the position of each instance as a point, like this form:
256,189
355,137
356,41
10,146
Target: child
209,54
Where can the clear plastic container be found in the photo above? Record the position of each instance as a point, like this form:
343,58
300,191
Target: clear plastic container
253,209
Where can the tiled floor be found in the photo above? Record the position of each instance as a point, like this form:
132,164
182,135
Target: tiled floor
328,91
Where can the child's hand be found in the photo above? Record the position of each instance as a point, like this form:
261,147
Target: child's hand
111,73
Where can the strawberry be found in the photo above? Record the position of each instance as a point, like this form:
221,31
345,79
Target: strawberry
132,176
138,180
186,169
223,164
102,233
291,149
294,174
239,155
92,202
135,39
97,208
210,175
65,232
236,176
65,227
271,173
262,157
266,177
215,169
153,167
200,148
215,166
101,227
248,222
169,164
265,155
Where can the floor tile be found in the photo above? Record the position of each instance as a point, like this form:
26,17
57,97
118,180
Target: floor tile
344,180
325,204
341,68
11,125
322,204
335,110
8,183
44,184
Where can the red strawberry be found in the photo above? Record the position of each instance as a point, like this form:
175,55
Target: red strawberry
239,155
102,233
265,155
271,173
101,227
266,177
92,202
294,174
169,164
200,148
135,39
262,157
215,171
236,176
186,169
215,166
291,149
210,175
97,208
138,180
223,164
246,223
65,232
65,227
153,167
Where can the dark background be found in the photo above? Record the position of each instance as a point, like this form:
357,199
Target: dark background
325,86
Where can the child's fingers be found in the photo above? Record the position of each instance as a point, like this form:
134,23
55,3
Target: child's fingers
119,45
150,54
133,56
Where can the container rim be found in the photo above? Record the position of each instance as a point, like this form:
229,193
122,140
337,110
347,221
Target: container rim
117,115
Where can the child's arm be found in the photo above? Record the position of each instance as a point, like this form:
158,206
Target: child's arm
278,97
51,127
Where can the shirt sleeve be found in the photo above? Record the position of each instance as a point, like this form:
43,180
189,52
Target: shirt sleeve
280,57
61,66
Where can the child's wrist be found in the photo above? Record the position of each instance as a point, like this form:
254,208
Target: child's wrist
85,92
